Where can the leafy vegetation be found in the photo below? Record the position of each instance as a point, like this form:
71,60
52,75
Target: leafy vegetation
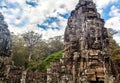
114,49
30,49
43,65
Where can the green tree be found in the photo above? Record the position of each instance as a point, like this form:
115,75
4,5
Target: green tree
31,39
112,45
114,49
41,51
56,44
18,50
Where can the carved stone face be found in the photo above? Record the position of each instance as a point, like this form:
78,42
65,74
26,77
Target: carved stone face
94,39
92,32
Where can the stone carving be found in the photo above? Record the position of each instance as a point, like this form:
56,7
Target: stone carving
86,58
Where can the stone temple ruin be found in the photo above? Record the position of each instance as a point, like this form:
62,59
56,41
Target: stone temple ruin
86,58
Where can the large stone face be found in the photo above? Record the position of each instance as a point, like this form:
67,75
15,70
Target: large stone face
85,26
86,58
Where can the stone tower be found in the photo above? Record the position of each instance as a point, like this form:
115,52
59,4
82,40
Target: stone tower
86,58
5,50
5,41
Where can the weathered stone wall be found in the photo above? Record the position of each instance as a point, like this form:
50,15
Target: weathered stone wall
36,77
19,75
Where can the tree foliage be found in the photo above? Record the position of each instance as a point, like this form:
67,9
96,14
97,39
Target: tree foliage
32,43
56,43
18,50
31,39
114,49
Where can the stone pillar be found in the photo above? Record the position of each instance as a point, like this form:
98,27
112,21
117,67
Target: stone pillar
23,79
49,77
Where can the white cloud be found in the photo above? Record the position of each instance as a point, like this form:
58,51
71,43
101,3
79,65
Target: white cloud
117,38
101,4
114,21
51,8
45,8
114,11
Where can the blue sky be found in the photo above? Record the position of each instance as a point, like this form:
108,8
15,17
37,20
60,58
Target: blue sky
49,17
